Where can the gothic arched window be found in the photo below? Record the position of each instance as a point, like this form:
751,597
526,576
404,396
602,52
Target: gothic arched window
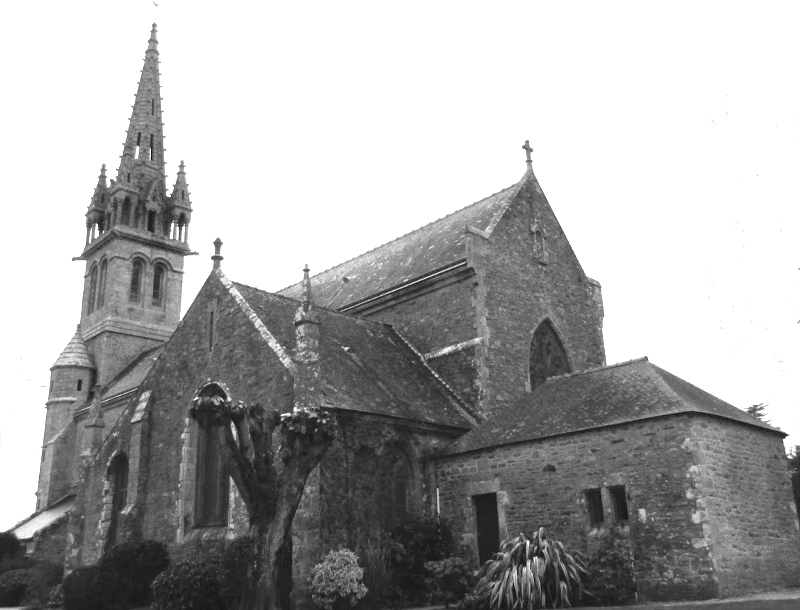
92,290
548,357
395,486
118,483
137,270
211,480
101,288
159,284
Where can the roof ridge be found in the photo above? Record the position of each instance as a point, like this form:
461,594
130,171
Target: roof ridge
597,369
378,247
317,306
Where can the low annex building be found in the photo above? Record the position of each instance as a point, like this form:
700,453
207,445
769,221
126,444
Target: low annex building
466,367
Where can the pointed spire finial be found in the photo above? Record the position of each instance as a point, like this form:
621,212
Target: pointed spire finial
152,44
528,150
103,170
217,258
308,297
182,167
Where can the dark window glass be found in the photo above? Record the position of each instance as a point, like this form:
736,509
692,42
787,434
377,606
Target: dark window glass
118,477
80,384
136,280
158,285
126,210
548,357
594,507
212,479
101,289
619,503
92,290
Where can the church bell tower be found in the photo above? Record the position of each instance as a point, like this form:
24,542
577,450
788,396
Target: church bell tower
136,238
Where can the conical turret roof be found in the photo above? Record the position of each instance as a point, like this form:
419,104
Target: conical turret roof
75,354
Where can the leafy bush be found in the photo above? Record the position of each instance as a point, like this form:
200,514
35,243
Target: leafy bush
610,579
190,585
530,573
12,587
42,577
240,570
413,542
9,545
450,579
16,564
130,568
55,599
379,577
336,581
85,589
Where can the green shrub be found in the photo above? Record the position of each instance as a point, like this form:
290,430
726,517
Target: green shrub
42,577
376,558
16,564
130,568
12,587
415,541
190,585
240,570
9,546
450,579
610,578
530,573
85,589
336,582
55,599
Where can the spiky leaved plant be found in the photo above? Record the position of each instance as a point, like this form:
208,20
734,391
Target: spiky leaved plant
531,573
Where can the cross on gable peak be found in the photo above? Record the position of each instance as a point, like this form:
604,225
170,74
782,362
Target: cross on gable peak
528,150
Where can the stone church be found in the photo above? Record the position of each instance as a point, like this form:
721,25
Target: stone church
466,368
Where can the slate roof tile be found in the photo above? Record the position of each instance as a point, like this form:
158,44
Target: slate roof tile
365,365
591,399
425,250
132,376
75,353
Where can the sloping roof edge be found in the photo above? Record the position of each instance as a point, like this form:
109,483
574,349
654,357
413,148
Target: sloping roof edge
270,339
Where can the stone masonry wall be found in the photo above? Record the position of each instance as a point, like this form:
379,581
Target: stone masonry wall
355,477
239,359
743,486
521,291
542,483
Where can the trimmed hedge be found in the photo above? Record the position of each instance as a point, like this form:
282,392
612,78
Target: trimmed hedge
85,589
131,567
42,577
191,585
121,579
12,587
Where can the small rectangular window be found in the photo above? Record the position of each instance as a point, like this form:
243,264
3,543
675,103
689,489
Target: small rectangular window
80,384
210,330
619,503
594,507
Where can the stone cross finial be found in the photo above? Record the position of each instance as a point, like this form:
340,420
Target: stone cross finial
528,150
217,258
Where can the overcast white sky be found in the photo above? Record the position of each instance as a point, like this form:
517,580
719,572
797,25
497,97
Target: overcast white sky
665,137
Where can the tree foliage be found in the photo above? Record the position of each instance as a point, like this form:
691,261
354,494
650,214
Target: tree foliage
759,411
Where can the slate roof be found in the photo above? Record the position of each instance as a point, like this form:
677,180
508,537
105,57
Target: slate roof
427,249
27,528
75,353
132,376
366,366
611,395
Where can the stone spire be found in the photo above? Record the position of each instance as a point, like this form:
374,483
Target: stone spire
307,377
143,153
